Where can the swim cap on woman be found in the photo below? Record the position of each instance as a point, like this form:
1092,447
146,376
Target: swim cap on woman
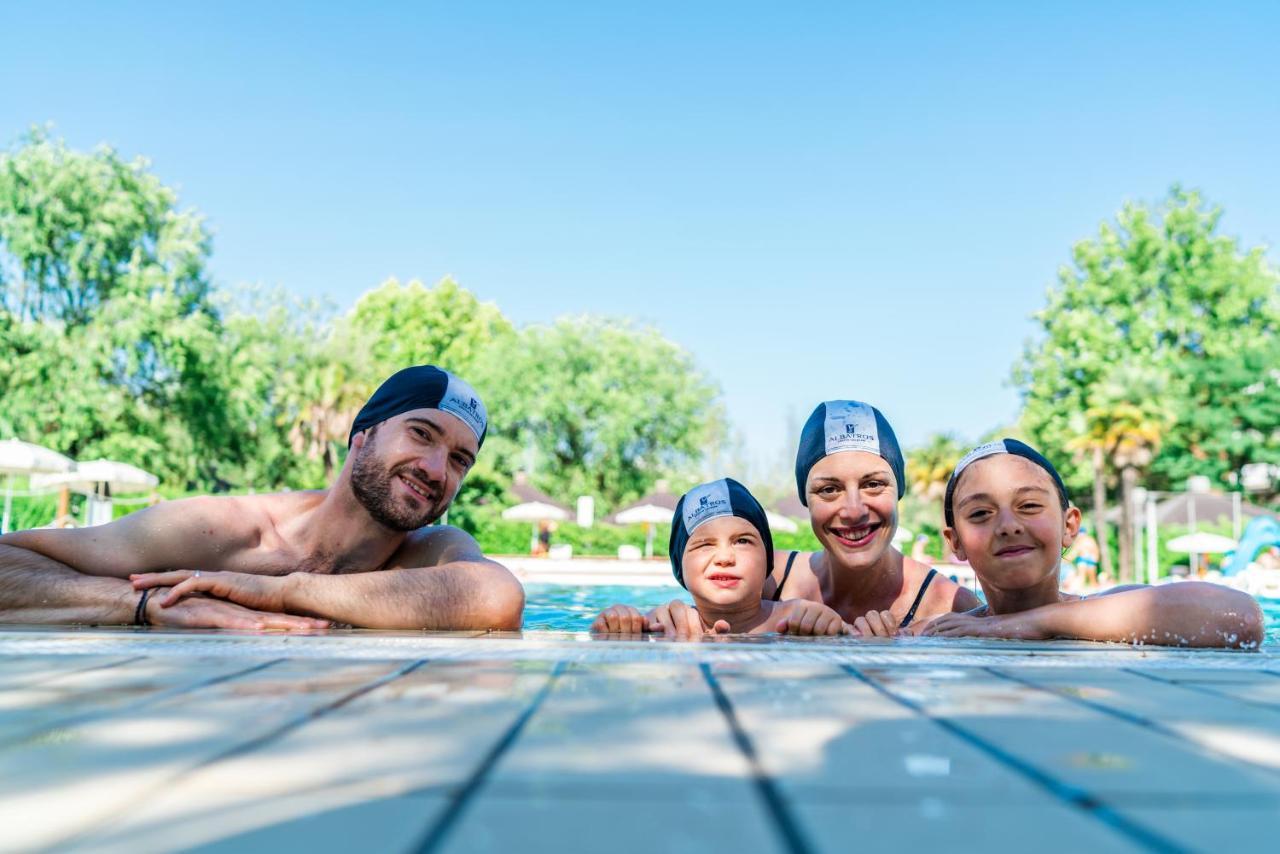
423,387
1003,446
724,497
847,425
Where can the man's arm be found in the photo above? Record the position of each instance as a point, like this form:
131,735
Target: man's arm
37,589
439,580
190,532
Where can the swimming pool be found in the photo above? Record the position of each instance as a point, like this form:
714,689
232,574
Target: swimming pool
572,608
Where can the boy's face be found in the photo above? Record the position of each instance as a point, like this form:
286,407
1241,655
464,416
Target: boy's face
853,506
1009,522
724,561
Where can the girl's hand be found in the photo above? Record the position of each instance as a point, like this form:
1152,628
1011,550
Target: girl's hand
1013,626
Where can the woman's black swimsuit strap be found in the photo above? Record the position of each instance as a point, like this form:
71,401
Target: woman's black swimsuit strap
906,621
786,573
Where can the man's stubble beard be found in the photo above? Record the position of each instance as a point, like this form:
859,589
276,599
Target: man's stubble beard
371,485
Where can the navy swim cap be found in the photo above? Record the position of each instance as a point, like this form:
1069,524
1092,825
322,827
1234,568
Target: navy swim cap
1003,446
423,387
725,497
847,425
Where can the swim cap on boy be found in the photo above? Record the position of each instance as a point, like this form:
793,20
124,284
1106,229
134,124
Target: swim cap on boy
1003,446
724,497
847,425
423,387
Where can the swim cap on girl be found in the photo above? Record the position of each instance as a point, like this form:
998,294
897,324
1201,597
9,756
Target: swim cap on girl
423,387
724,497
847,425
1003,446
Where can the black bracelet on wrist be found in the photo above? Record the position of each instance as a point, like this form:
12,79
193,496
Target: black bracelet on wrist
140,613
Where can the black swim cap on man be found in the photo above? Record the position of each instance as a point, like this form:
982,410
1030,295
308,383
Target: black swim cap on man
847,425
423,387
724,497
1003,446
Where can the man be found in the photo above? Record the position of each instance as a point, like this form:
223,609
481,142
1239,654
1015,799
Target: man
294,560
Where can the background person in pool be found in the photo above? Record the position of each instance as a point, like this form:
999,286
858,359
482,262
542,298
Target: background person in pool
300,553
1008,514
850,474
721,550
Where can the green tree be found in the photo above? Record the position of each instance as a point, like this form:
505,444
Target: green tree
1162,291
412,324
599,407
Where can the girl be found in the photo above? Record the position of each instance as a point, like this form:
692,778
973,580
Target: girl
721,552
1007,513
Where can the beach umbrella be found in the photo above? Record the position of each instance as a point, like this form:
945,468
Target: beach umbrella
1202,543
101,476
778,522
902,536
18,458
654,509
535,506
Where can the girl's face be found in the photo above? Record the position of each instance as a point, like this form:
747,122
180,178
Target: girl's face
724,561
853,506
1009,522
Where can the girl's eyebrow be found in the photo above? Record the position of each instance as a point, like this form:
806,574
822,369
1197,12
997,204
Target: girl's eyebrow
982,496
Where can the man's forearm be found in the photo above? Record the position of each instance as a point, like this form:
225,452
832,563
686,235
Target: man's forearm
463,595
1186,614
37,589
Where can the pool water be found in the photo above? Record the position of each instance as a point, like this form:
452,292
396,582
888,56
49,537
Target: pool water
557,607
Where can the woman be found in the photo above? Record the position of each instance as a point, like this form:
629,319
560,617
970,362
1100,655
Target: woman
850,474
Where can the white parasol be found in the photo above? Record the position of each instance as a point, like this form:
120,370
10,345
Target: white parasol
1202,543
778,522
18,457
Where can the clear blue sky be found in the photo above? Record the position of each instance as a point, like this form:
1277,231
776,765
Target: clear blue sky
818,200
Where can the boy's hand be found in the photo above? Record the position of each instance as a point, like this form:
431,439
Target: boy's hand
621,620
876,624
678,620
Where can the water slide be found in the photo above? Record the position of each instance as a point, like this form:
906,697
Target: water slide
1261,533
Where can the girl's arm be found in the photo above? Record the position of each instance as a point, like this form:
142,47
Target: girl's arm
1184,614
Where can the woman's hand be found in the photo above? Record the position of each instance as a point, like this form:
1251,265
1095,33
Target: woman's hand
802,617
876,624
1022,626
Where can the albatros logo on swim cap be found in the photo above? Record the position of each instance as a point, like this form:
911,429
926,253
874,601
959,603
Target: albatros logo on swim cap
851,426
461,400
987,450
706,502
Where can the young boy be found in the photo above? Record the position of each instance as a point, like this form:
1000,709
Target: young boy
1008,514
721,552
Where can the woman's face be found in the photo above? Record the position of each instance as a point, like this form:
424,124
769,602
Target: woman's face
724,561
1009,522
853,506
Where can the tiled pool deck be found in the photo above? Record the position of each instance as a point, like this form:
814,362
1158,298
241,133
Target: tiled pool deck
135,741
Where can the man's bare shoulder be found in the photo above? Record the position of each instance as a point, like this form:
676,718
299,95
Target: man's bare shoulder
436,545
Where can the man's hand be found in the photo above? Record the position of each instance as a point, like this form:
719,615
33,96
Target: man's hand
803,617
1022,626
259,592
201,612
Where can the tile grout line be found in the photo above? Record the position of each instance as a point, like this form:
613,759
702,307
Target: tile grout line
460,799
1067,793
44,680
1206,690
283,729
793,836
1133,718
142,703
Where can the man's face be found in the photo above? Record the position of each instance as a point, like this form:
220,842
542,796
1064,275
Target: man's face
407,470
